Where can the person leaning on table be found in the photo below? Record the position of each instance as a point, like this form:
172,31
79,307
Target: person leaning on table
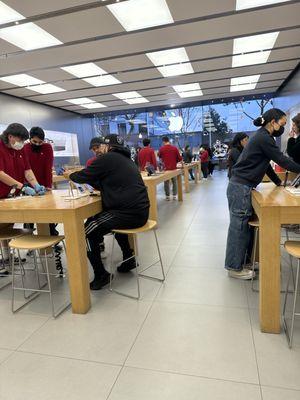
248,172
15,169
293,144
125,204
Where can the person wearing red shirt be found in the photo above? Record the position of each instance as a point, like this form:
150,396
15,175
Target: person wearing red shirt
15,169
97,146
170,156
146,156
204,157
40,157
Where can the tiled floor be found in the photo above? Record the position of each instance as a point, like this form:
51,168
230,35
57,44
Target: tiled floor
194,337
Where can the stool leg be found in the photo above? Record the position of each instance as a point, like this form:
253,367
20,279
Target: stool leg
49,284
36,267
253,258
291,258
13,282
111,263
137,263
294,304
2,254
160,257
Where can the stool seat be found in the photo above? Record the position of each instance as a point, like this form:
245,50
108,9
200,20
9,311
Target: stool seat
35,242
293,248
147,227
254,223
10,233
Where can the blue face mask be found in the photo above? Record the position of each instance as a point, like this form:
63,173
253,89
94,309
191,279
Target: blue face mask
17,145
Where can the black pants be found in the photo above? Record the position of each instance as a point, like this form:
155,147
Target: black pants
211,168
191,174
52,228
204,169
102,224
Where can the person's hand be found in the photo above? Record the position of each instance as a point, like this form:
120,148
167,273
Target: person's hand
28,191
39,189
292,133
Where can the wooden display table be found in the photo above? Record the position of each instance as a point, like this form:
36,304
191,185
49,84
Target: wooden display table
152,181
58,179
195,165
291,176
274,207
54,208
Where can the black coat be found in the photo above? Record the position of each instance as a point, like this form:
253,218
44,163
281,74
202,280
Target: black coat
293,149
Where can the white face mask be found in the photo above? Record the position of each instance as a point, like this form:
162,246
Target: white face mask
17,145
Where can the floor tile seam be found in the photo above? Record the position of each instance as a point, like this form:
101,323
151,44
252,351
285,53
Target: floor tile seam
32,333
69,358
200,305
253,341
114,383
8,357
281,387
161,371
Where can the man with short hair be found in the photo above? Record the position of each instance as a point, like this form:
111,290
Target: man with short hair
170,156
125,204
97,146
146,156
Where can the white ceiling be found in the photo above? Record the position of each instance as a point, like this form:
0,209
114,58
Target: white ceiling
90,33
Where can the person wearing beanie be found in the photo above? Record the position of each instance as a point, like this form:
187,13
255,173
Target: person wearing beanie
125,204
293,144
97,147
247,173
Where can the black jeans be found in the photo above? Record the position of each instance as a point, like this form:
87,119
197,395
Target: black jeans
204,169
102,224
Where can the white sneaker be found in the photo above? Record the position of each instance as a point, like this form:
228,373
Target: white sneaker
167,198
104,254
244,274
174,197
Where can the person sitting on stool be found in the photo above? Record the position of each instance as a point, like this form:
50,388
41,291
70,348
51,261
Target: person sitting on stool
125,204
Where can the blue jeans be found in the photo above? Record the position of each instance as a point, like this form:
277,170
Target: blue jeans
239,235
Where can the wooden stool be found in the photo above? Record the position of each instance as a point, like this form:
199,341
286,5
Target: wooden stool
35,243
7,234
293,249
149,226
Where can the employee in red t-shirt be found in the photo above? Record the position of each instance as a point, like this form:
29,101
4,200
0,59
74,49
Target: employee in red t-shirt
170,156
40,157
204,157
146,156
98,147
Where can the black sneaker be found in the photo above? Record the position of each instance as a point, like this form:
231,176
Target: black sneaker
99,282
16,260
127,266
3,273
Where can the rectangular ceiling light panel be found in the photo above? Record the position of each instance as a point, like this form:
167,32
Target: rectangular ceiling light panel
83,70
21,80
104,80
141,14
244,4
80,101
188,90
244,83
163,59
255,44
8,14
28,36
137,100
127,95
47,88
93,105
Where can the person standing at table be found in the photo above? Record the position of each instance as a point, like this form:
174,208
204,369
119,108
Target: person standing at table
146,156
170,156
125,204
239,142
187,157
204,157
97,147
293,144
15,169
248,172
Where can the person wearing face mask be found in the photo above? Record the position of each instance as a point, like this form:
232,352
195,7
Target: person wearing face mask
239,142
15,169
293,144
247,173
98,147
40,156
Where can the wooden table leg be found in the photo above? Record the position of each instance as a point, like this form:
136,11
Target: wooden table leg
269,269
153,214
196,174
77,264
186,180
179,186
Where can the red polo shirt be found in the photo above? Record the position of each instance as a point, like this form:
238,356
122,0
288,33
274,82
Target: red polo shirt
147,155
41,163
14,163
170,156
204,157
90,161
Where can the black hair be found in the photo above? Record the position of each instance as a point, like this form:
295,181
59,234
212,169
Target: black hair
187,146
268,116
146,142
165,139
16,130
38,132
236,143
296,120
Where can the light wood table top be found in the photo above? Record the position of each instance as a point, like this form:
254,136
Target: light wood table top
54,208
196,165
274,207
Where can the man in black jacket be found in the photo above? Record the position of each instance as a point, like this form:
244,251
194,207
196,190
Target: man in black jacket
125,204
293,144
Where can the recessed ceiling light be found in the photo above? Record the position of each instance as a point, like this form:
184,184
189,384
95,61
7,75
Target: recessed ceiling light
255,43
244,83
47,88
8,14
127,95
83,70
188,90
163,59
104,80
139,14
243,4
79,101
137,100
28,36
93,105
192,93
21,80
